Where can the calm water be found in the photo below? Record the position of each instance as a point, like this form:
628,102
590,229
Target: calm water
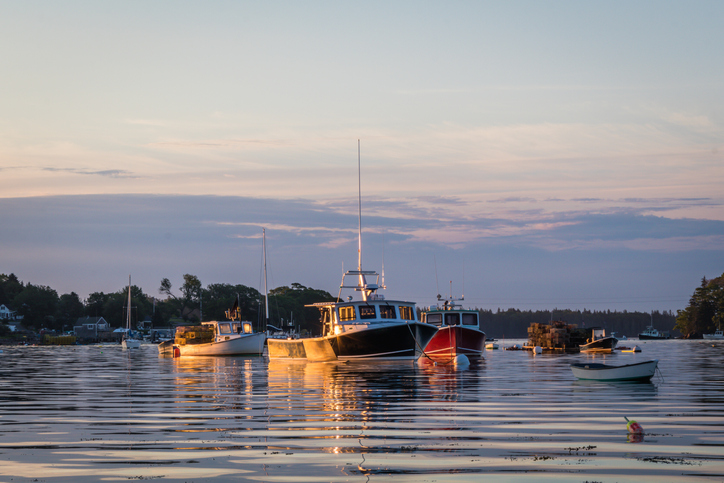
91,413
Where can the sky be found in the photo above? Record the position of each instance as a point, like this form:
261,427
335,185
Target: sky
523,154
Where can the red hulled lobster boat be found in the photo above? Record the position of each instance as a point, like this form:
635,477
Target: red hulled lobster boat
458,331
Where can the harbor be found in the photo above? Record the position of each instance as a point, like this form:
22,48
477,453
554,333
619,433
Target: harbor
98,412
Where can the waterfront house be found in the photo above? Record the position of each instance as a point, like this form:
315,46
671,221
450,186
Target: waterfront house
93,329
7,314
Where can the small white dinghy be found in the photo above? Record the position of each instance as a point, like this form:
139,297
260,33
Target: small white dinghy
641,371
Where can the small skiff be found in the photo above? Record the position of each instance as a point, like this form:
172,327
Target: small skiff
642,371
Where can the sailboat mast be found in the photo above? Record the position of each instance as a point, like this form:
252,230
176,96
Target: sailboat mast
266,291
128,311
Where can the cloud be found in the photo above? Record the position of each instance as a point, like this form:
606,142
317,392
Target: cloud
111,173
98,238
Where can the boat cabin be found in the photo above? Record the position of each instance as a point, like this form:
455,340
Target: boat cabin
227,329
451,318
340,317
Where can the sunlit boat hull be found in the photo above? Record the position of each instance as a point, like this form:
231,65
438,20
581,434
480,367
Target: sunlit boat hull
398,341
451,341
606,344
244,345
131,343
642,371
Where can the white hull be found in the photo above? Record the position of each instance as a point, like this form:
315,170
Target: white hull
642,371
718,335
245,345
131,344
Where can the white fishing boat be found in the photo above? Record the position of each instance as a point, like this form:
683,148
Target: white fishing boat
371,327
641,371
216,338
717,335
233,337
128,341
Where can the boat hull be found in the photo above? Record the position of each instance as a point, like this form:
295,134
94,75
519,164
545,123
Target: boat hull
451,341
652,337
131,344
399,341
246,345
718,335
607,344
642,371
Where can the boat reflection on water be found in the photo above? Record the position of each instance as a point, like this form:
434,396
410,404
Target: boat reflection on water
229,382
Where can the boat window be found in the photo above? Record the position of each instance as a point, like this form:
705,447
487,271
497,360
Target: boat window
387,311
346,313
407,312
434,319
247,327
225,328
452,319
470,319
367,312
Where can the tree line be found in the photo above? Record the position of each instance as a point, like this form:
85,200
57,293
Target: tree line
705,312
42,308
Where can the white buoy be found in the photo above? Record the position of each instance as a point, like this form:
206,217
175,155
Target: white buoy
537,350
462,360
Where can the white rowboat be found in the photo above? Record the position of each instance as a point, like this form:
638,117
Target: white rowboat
642,371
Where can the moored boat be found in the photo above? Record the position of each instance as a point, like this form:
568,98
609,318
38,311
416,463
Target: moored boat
653,334
370,328
642,371
215,338
458,331
717,335
599,342
129,342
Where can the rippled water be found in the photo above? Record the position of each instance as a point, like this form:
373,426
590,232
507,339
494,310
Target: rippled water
91,413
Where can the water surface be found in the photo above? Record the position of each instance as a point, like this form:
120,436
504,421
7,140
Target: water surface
99,413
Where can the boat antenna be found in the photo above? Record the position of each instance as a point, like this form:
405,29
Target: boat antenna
359,208
463,296
266,291
382,285
437,285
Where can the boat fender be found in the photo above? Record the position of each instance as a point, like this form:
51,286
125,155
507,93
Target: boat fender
462,360
176,352
537,350
633,427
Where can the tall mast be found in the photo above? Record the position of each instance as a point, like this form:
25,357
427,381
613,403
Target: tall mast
359,206
128,312
266,292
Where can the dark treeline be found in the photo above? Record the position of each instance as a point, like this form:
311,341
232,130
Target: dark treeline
40,307
514,323
705,312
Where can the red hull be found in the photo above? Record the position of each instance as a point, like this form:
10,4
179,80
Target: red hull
450,341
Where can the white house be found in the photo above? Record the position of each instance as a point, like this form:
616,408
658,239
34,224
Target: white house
7,314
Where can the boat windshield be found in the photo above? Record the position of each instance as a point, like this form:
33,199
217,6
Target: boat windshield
452,319
367,312
433,318
387,312
225,328
407,312
470,319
